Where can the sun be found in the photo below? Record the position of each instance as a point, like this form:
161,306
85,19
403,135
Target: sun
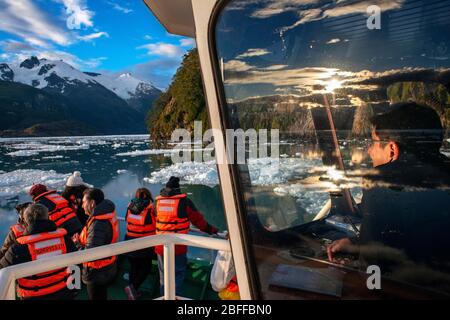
332,85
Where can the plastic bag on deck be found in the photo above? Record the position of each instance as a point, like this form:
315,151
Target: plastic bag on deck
222,271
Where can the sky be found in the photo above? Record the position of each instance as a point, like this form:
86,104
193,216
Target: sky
107,36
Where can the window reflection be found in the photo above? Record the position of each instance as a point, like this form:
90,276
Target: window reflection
364,120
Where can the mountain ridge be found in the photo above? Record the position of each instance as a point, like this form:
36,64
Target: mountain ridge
92,102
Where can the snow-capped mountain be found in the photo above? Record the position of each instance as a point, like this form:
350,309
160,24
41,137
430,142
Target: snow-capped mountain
48,97
40,73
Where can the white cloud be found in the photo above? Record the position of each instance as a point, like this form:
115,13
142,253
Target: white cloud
23,51
148,37
275,7
92,36
15,46
333,41
237,66
253,53
163,49
159,72
188,42
26,21
120,8
77,14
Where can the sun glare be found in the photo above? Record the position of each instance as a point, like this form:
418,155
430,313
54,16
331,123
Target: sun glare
332,85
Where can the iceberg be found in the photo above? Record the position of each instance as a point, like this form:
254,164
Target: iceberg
19,181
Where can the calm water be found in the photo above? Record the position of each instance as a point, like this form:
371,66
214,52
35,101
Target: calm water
100,160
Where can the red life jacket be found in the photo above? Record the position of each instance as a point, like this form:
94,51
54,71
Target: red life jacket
62,211
136,226
167,220
17,230
233,285
111,218
73,203
43,245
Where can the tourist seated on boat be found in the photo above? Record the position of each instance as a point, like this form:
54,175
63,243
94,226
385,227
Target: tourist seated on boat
59,209
16,230
174,214
140,223
406,203
33,245
102,228
73,193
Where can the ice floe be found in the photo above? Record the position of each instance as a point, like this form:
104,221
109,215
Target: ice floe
166,152
19,181
263,171
204,173
32,149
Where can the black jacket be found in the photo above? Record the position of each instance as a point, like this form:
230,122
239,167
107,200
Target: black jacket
18,253
407,208
72,225
100,233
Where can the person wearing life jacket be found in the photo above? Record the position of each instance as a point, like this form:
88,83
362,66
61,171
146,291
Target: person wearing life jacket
16,230
41,239
73,193
102,228
174,214
59,210
140,223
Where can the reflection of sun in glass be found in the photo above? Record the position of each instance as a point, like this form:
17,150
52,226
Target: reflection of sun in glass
332,85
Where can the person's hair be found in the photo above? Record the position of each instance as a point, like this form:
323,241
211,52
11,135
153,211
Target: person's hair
77,191
20,208
35,212
416,128
144,193
94,194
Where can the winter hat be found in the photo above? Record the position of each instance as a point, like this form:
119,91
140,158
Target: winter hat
173,183
75,180
37,189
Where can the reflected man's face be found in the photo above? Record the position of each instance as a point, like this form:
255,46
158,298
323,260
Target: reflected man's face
88,205
382,152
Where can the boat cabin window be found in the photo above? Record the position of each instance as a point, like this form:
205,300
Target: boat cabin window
354,182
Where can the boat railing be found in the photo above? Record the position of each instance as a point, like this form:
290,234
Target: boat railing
9,275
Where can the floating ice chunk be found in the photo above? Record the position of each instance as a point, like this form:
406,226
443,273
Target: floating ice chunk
263,171
121,171
204,173
116,145
32,149
137,153
165,152
19,181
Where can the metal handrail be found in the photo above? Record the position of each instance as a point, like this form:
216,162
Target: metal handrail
9,275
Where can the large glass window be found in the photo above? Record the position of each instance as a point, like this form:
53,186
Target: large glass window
360,96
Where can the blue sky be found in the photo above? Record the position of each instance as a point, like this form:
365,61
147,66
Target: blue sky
92,35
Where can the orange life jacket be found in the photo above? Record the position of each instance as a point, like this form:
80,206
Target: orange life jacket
17,230
62,211
167,220
136,226
111,217
43,245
